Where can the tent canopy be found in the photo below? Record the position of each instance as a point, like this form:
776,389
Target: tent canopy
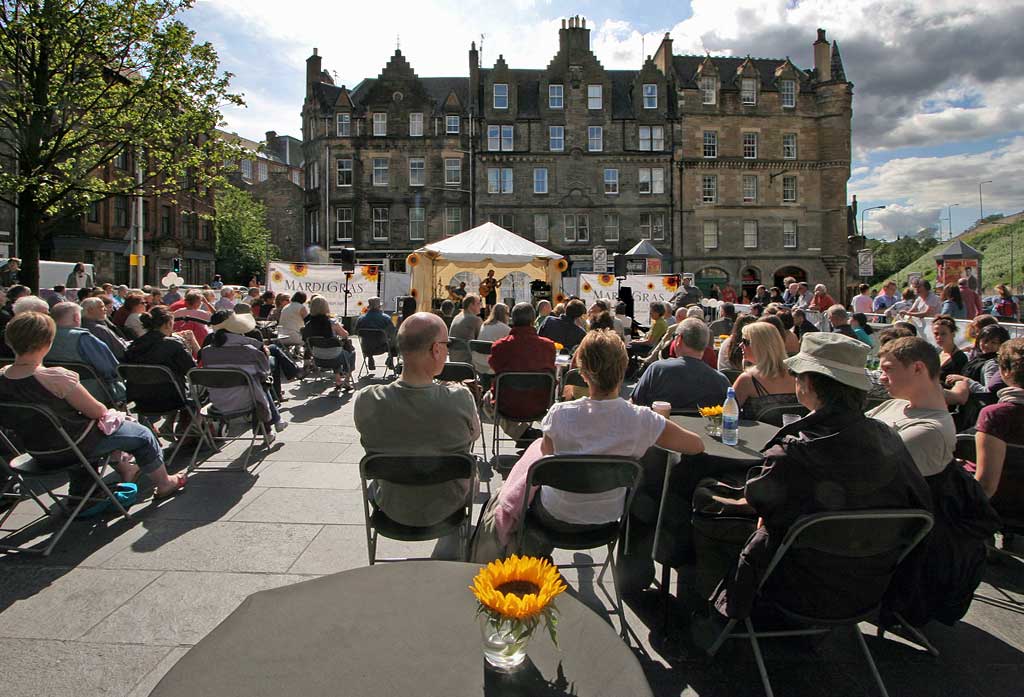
644,249
488,241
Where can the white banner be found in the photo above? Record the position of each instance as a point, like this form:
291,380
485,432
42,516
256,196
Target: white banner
646,289
396,284
327,280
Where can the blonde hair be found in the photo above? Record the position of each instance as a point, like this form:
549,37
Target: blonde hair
319,306
602,359
768,347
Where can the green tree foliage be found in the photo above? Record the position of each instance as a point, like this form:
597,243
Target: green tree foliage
243,240
890,257
87,83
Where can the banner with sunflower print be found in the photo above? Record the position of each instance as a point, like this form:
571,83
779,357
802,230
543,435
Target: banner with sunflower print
646,289
327,280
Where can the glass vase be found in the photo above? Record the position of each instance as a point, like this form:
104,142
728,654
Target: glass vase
504,641
713,426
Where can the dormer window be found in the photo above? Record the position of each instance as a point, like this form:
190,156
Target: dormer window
451,124
708,90
380,124
344,125
556,95
416,124
650,96
748,91
788,90
594,97
500,95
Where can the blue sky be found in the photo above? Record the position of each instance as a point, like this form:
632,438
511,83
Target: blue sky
937,105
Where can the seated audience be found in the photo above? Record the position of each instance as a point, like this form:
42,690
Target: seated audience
447,312
622,314
281,301
415,414
905,302
801,325
72,344
320,325
951,359
999,425
227,299
543,311
94,320
522,351
730,353
767,382
686,381
159,346
30,303
566,330
291,320
839,319
789,339
494,328
265,306
726,318
952,302
861,328
654,335
192,317
374,318
30,336
663,349
133,308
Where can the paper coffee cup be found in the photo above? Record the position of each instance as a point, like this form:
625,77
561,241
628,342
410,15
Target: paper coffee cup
663,408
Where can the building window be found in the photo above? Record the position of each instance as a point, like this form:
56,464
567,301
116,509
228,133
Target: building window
452,221
708,90
381,224
344,125
207,230
750,188
417,223
504,220
121,159
416,125
380,124
121,211
788,90
577,227
314,227
261,170
748,91
789,234
165,221
343,225
789,146
451,124
650,96
645,226
500,96
540,180
750,234
710,234
494,138
345,172
611,227
710,144
611,181
499,180
595,138
246,166
417,171
594,94
452,171
709,188
555,97
540,226
652,138
94,212
789,189
750,146
380,171
652,181
556,138
507,137
652,226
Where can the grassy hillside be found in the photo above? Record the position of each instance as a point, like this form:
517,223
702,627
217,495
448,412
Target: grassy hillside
993,241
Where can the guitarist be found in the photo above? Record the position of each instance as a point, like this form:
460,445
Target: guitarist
489,289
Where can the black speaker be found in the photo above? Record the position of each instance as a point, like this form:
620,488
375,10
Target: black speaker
626,296
348,259
619,260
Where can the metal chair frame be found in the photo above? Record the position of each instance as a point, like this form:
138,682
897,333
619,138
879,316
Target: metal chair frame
364,368
767,414
87,372
318,369
208,413
454,371
24,466
496,439
416,470
125,370
818,625
586,474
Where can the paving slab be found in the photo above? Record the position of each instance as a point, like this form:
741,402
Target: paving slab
314,506
309,475
341,547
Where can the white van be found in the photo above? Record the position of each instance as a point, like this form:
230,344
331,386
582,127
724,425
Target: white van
55,273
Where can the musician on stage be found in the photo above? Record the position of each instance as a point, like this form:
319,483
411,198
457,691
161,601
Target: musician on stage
489,289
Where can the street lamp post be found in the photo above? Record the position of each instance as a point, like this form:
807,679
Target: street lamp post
981,205
862,213
949,217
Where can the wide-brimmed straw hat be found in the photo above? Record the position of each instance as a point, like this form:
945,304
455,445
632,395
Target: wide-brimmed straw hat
237,323
833,355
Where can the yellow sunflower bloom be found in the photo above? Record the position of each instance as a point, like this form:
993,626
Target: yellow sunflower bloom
518,588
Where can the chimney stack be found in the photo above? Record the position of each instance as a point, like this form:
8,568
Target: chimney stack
663,56
574,38
313,70
823,57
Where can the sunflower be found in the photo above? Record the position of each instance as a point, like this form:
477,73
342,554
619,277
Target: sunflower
587,288
670,282
562,265
299,269
412,259
520,588
606,279
560,298
650,286
277,277
370,273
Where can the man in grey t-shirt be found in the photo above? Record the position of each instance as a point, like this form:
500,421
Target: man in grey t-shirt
686,382
918,412
466,328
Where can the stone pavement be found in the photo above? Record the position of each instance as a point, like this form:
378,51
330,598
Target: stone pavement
119,602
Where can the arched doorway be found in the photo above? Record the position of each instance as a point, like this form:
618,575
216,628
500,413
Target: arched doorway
780,275
750,279
515,288
471,279
711,275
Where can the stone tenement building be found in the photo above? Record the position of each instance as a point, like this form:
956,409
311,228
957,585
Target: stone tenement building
735,169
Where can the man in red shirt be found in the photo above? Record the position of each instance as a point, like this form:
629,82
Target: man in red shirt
972,303
192,317
522,351
821,301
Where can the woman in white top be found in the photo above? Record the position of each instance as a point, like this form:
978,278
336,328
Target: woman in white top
496,327
292,320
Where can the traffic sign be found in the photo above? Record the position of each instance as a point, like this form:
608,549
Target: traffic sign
600,260
136,260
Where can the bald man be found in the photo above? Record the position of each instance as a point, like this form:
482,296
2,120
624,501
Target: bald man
414,414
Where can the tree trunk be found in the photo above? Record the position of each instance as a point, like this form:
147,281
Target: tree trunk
29,231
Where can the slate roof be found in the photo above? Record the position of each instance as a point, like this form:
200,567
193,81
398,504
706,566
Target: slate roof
527,83
437,88
686,70
959,250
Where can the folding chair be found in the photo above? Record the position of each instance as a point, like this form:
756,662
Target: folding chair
773,415
145,384
857,536
731,375
416,471
584,474
456,372
483,347
212,381
328,355
64,457
375,337
507,386
87,372
1013,469
571,378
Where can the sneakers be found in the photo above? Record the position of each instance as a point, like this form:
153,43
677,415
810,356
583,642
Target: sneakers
280,426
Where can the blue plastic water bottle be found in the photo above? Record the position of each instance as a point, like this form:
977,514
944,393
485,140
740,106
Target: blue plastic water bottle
730,419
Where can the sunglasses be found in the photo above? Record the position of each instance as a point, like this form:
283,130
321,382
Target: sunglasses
745,342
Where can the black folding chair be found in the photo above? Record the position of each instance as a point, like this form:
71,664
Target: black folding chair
328,356
507,386
884,536
1013,469
584,474
155,392
773,415
731,375
87,372
572,378
212,423
416,471
483,347
376,337
64,457
456,372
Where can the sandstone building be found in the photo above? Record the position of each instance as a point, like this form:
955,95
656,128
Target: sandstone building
734,168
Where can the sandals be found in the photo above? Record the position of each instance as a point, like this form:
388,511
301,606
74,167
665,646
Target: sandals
182,480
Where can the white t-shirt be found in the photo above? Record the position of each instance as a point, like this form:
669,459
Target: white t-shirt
596,427
931,304
289,327
929,434
488,332
862,303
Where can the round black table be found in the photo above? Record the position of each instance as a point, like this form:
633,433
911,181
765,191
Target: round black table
752,437
406,628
